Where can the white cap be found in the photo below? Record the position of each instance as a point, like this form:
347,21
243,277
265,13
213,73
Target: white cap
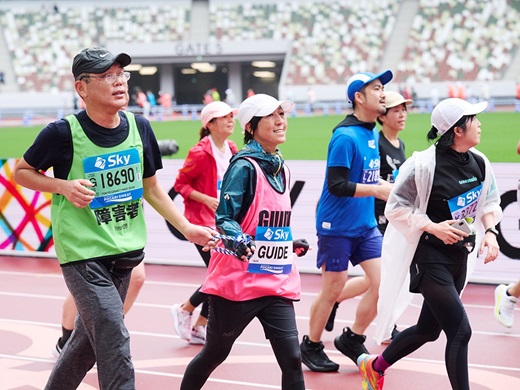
215,110
449,111
260,105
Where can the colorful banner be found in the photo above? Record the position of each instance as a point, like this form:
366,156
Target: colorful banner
25,215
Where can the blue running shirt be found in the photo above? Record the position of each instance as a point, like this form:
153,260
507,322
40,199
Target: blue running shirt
356,148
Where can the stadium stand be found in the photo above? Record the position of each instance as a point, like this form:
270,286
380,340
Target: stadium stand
466,41
471,41
42,41
331,39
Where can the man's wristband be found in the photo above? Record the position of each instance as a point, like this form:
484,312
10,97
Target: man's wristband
492,230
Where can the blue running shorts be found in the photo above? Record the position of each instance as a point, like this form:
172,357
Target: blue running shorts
335,252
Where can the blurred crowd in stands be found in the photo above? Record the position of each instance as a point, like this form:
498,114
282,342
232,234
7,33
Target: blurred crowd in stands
449,40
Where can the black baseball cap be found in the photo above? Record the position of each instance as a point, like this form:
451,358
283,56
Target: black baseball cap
97,60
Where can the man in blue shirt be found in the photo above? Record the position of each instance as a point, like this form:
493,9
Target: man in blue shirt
345,222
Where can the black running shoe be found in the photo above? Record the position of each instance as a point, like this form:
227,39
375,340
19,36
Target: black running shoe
351,344
330,322
315,358
394,334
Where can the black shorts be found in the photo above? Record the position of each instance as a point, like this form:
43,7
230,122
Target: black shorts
444,274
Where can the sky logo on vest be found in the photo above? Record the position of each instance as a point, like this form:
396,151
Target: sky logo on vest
470,196
100,163
374,163
113,161
277,234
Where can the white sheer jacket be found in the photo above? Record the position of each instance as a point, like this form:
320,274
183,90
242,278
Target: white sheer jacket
406,213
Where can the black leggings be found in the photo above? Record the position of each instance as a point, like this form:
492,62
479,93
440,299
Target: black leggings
227,321
442,309
199,297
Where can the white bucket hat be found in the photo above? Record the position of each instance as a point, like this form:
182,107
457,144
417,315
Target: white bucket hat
394,99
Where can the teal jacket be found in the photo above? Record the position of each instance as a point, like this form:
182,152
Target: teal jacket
239,184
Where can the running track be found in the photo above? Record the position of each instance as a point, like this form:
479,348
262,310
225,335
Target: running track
32,291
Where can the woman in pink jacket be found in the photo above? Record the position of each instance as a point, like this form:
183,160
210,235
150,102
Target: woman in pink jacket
199,182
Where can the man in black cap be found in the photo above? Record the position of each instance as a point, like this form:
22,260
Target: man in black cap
105,162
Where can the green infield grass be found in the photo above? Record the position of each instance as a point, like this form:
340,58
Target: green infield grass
308,136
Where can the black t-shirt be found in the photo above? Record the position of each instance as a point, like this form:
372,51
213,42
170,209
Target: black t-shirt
458,178
391,159
53,145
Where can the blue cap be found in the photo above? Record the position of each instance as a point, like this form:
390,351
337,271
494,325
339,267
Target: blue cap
357,81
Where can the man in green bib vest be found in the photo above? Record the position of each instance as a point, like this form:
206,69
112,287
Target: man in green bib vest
104,164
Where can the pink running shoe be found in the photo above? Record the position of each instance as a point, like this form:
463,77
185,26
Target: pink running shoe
372,379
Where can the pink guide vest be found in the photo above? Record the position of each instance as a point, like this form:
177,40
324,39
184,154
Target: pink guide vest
228,277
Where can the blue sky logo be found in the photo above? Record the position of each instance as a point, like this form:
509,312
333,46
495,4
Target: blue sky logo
269,233
374,163
100,163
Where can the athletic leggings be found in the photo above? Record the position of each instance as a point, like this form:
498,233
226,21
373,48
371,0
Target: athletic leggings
227,321
442,309
198,297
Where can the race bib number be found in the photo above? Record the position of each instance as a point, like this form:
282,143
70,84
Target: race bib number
370,176
371,171
117,177
465,205
274,253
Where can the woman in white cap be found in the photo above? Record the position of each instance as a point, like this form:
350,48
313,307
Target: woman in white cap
446,183
246,278
198,182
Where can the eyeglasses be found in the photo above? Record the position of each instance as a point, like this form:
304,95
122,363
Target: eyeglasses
110,78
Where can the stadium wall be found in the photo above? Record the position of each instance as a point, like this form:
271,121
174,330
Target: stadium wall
502,92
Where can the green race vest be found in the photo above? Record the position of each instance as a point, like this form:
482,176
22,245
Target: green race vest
113,223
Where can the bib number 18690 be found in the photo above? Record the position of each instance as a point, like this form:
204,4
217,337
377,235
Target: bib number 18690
115,178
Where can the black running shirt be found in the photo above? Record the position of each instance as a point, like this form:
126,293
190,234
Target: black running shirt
391,159
457,184
53,145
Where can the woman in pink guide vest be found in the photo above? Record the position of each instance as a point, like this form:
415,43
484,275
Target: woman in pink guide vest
253,271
